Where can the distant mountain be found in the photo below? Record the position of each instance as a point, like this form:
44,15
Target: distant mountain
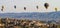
33,15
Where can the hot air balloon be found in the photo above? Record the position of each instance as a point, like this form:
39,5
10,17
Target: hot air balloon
37,7
56,9
46,5
24,8
2,8
15,6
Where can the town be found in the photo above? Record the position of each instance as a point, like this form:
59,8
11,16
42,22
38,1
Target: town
26,23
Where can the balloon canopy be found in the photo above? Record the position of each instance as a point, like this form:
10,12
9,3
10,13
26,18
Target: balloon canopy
56,9
2,8
37,6
46,5
24,8
15,6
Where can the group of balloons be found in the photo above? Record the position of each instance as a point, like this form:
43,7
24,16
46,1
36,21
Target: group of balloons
46,5
2,8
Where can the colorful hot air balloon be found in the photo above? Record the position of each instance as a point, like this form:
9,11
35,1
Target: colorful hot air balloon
37,7
46,5
15,6
56,9
24,8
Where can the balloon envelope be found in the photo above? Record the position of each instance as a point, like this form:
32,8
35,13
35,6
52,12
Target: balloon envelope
24,8
15,6
37,7
46,5
56,9
1,9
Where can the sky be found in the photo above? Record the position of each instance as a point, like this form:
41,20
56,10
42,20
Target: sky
29,4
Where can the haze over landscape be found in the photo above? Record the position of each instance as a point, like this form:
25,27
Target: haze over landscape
31,11
33,15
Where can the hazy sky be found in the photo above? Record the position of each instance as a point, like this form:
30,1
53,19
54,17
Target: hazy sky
30,4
